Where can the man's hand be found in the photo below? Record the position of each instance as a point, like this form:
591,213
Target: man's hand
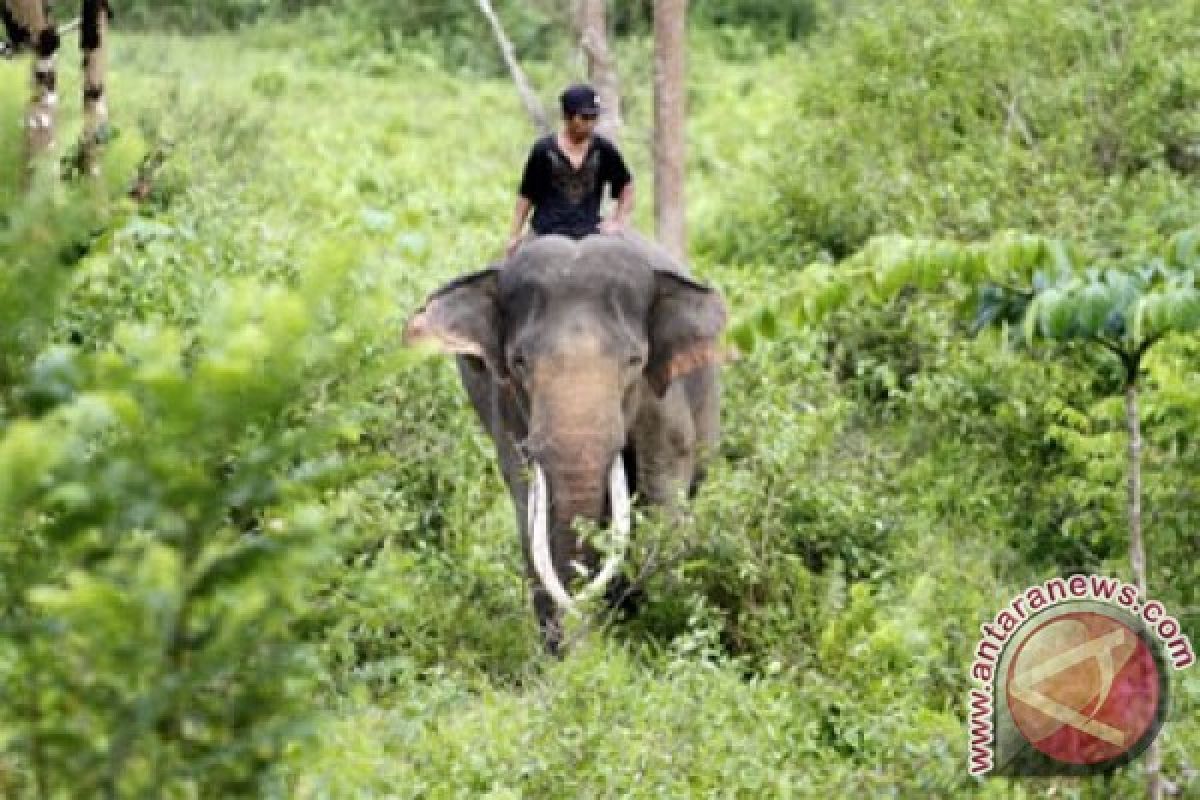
612,226
520,214
616,222
513,244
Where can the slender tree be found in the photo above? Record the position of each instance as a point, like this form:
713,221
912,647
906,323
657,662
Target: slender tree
32,25
670,45
28,23
529,98
94,33
1126,313
592,27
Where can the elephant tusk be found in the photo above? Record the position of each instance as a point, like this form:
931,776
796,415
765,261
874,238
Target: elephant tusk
618,496
543,564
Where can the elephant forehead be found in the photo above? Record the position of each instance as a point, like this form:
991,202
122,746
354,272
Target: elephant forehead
587,274
591,264
594,299
579,333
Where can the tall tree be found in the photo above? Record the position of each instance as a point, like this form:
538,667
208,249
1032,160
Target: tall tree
670,46
529,98
29,23
95,107
592,27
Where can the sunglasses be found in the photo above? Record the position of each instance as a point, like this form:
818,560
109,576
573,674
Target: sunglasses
590,116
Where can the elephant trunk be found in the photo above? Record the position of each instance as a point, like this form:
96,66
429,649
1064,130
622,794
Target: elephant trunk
577,490
576,434
576,431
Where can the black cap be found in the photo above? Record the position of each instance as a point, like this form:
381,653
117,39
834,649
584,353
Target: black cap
579,99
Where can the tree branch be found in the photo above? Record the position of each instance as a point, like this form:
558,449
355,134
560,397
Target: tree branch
1114,348
602,72
1146,345
529,98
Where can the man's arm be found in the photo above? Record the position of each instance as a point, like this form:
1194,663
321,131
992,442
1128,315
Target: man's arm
617,175
530,190
620,216
520,214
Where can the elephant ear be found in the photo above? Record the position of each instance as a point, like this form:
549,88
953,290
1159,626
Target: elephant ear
463,318
685,320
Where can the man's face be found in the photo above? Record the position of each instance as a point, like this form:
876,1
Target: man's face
580,126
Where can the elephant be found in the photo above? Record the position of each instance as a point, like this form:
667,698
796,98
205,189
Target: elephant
592,364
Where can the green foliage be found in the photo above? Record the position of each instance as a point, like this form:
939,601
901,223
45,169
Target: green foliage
458,36
153,545
918,118
456,32
767,22
775,21
1041,284
179,15
160,499
362,31
213,435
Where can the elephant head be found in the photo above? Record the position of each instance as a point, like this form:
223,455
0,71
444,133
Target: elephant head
576,339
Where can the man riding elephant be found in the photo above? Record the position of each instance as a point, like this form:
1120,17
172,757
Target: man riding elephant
565,175
592,364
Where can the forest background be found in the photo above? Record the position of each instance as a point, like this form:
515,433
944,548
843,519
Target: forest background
253,547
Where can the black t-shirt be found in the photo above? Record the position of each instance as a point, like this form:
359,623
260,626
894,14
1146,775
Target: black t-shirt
567,200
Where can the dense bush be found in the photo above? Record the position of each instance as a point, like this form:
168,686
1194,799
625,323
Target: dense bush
964,119
772,22
455,33
163,432
182,16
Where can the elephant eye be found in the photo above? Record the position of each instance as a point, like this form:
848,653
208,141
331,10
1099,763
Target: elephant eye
519,364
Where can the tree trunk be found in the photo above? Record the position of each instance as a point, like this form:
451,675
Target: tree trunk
92,38
32,16
1137,552
670,41
592,25
1137,555
529,98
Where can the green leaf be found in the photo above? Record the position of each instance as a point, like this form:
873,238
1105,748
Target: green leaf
831,297
1185,248
54,379
768,324
377,220
970,264
1115,326
1183,312
1123,288
744,337
1093,306
243,559
899,272
1059,258
991,305
1150,317
1058,319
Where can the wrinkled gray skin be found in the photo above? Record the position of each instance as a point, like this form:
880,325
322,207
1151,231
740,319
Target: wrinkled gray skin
571,354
